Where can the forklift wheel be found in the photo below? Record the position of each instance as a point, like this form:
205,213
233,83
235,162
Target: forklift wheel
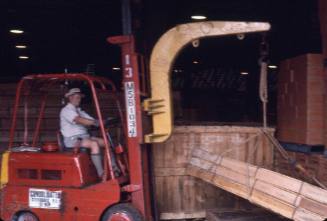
25,216
122,212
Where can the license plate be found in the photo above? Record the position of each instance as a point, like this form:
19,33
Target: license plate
44,199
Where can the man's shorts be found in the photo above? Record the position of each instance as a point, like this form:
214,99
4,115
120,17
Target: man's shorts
70,142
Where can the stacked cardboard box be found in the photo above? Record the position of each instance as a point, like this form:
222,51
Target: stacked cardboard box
323,30
300,100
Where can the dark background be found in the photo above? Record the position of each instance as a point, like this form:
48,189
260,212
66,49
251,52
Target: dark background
72,35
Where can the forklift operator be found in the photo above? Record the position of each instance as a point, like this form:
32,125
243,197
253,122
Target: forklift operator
73,126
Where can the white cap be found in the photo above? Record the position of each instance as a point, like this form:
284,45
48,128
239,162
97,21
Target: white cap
73,91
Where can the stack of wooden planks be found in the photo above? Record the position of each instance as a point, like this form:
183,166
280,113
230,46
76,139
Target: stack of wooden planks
289,197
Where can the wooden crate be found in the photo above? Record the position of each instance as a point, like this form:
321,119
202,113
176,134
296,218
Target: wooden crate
323,30
180,196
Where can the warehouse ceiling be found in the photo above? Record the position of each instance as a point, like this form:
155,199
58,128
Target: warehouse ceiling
71,34
58,34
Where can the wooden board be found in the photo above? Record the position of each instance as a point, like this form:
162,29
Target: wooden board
287,196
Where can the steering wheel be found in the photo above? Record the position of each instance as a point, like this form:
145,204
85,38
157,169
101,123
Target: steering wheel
111,121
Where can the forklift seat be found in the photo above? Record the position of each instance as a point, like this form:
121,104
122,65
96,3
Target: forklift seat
60,140
63,148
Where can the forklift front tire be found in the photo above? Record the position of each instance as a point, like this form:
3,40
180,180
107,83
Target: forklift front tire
122,212
25,215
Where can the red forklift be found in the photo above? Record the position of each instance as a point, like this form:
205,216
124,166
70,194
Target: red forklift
43,181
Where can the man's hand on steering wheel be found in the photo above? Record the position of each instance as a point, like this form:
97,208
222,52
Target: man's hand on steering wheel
96,123
107,122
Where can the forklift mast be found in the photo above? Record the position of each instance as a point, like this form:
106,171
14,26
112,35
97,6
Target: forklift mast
137,153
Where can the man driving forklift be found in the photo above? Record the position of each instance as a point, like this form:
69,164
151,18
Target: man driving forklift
73,127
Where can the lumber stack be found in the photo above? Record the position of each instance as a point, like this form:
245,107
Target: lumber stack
287,196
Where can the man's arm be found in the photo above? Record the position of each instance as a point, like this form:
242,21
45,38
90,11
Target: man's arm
85,121
85,115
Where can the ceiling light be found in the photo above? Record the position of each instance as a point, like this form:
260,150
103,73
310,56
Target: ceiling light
195,62
20,46
23,57
240,36
116,68
198,17
16,31
272,66
244,73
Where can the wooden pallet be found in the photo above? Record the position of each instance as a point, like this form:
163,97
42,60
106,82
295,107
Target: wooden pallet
289,197
241,215
303,148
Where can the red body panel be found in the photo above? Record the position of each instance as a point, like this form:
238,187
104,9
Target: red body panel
78,204
83,196
51,169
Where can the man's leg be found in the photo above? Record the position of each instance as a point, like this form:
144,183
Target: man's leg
95,154
100,141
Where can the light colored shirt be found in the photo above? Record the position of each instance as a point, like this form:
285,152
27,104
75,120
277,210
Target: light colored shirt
68,126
